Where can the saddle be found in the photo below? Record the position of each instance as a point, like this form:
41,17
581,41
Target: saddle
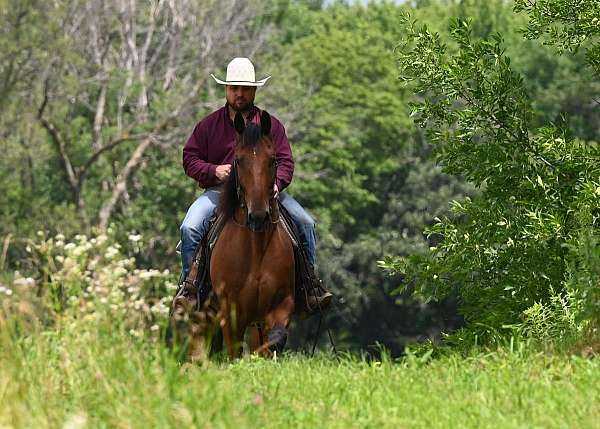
196,289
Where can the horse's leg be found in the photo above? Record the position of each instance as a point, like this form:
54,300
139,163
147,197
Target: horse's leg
228,338
233,331
277,321
254,340
216,342
258,337
225,317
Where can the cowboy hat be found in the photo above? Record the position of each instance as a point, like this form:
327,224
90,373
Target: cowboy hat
240,71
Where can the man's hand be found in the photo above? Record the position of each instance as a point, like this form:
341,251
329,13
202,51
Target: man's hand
275,191
222,172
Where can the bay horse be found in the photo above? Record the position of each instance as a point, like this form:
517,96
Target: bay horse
252,263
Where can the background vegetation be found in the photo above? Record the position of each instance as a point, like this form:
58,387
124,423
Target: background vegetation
447,148
97,99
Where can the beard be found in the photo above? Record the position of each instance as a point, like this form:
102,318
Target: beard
241,106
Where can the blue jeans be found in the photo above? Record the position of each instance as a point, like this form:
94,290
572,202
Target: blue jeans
195,225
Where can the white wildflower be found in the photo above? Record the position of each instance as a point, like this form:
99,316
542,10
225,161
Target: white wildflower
24,281
134,237
148,274
69,246
79,250
111,252
154,328
119,271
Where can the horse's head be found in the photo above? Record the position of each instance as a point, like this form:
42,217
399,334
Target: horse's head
255,168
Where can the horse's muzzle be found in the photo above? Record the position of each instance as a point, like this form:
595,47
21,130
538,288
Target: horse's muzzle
257,219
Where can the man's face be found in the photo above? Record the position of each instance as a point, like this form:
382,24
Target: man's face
240,98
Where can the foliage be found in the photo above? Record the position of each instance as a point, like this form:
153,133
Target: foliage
363,170
506,249
567,24
87,281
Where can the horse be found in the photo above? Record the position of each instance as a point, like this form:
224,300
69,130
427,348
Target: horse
252,263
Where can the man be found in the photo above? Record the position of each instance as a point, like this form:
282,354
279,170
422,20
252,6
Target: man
207,158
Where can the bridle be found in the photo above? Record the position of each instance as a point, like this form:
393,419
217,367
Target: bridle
242,198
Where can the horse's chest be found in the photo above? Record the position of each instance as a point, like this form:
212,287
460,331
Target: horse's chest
241,261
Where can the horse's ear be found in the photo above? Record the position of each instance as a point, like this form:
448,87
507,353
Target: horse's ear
239,123
265,123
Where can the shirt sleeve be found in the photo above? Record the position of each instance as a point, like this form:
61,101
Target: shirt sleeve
195,153
285,160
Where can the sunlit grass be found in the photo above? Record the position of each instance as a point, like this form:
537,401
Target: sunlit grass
99,377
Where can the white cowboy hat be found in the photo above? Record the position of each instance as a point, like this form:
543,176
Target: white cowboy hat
240,71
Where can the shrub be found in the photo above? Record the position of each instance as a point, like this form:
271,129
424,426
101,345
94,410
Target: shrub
89,280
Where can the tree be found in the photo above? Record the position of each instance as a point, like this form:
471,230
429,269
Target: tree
510,246
122,78
569,25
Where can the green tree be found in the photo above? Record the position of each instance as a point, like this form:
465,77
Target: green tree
358,157
509,247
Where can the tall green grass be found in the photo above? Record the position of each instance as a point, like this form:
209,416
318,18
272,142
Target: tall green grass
85,375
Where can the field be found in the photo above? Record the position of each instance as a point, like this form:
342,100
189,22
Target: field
77,376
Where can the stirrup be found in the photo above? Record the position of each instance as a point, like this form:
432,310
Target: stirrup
315,304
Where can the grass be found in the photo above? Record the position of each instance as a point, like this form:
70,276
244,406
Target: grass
81,374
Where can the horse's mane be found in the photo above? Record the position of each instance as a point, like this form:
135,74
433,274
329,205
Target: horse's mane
229,200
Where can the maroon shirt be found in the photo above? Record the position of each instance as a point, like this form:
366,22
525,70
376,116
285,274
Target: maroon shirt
212,143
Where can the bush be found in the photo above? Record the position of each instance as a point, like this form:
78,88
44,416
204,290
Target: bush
88,280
